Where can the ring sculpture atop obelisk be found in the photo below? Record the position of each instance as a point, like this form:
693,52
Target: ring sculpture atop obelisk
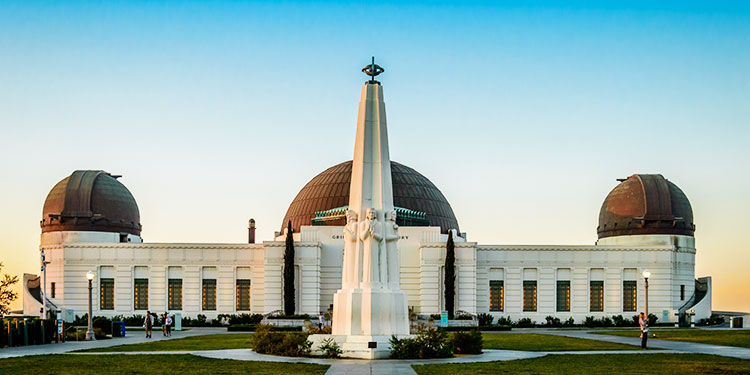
370,307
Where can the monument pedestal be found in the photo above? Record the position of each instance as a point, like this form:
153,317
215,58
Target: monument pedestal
357,346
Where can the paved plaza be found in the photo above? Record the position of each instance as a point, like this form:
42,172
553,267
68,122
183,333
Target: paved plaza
356,367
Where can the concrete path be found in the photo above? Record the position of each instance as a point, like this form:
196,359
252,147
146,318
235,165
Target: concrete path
131,337
680,346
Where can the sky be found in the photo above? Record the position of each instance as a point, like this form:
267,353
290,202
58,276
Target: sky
524,114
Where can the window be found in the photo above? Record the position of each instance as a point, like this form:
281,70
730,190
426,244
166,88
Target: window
496,295
529,295
52,286
243,294
629,296
563,295
596,290
140,294
175,294
209,294
107,294
682,292
124,237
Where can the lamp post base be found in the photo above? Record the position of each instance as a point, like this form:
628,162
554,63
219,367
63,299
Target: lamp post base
90,336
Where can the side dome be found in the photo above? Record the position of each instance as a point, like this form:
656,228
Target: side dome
91,201
646,204
322,201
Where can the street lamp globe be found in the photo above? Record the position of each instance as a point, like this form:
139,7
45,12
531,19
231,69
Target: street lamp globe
646,274
90,275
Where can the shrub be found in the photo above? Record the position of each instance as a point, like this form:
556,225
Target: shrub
504,321
245,319
103,324
652,319
496,327
293,316
464,317
267,341
314,330
485,319
467,342
606,322
435,316
570,322
552,321
619,321
591,322
404,348
428,343
330,349
525,323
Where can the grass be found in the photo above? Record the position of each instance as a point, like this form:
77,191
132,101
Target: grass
183,364
702,336
205,342
541,343
609,364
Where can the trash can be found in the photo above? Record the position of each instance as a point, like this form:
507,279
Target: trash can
118,329
736,322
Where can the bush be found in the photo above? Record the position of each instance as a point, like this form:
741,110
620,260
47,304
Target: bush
570,322
330,349
245,319
591,322
296,316
606,322
463,317
525,323
267,341
504,321
467,342
552,321
496,327
485,319
435,316
428,343
652,319
103,324
314,330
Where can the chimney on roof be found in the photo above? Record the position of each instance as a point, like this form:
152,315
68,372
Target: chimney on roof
251,231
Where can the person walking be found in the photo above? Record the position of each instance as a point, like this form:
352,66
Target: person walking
643,322
321,321
148,322
164,324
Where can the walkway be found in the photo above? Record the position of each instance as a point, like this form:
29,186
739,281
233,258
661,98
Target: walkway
680,346
131,337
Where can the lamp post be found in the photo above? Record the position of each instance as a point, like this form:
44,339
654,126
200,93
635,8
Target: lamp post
90,332
646,275
44,285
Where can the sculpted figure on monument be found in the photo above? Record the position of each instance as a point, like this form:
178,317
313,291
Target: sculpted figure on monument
350,248
391,241
371,233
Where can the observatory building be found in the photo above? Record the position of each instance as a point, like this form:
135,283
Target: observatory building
91,221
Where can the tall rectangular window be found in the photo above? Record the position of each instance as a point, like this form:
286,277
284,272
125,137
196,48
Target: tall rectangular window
52,286
140,294
596,290
682,292
496,295
209,294
243,295
174,294
107,294
629,295
563,295
529,295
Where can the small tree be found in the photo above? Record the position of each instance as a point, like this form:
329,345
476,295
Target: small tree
7,295
289,272
450,275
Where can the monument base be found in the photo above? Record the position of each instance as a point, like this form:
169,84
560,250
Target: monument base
361,347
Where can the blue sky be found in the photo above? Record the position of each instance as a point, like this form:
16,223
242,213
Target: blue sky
523,114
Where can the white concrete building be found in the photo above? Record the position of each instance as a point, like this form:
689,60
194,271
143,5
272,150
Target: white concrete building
91,222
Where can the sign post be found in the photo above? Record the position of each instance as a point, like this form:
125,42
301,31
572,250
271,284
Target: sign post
444,318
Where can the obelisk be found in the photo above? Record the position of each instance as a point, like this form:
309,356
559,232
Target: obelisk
370,307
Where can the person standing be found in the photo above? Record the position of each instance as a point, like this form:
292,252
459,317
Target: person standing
321,321
164,324
169,325
643,322
148,322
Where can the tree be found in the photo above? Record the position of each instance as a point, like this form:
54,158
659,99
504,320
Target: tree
7,295
450,275
289,272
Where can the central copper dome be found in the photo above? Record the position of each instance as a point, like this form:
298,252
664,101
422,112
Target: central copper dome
330,189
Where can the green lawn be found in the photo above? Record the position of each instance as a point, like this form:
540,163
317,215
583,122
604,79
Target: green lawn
542,343
183,364
205,342
609,364
739,338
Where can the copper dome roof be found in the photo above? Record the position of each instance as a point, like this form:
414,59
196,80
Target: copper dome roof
645,204
330,189
90,201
